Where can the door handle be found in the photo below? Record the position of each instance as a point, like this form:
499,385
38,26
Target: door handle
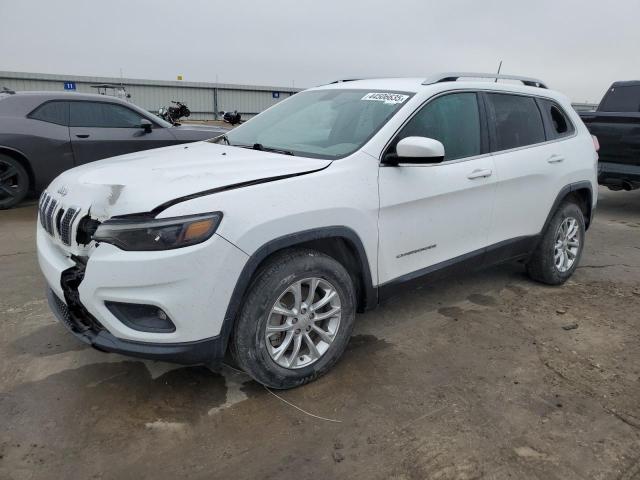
555,159
83,135
479,174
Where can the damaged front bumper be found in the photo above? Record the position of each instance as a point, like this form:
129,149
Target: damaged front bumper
89,331
191,286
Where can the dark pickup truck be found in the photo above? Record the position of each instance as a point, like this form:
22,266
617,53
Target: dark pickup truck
616,124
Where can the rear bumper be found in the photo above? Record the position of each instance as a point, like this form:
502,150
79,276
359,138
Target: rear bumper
612,174
208,351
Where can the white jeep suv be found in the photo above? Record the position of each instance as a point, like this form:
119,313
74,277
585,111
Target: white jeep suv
266,241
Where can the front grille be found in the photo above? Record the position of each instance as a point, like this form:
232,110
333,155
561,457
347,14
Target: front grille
42,209
66,224
54,218
51,207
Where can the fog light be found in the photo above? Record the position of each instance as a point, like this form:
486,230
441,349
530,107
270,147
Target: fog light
141,317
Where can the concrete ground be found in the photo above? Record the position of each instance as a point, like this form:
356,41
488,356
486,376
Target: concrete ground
470,378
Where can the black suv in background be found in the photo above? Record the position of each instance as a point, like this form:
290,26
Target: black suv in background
43,134
616,124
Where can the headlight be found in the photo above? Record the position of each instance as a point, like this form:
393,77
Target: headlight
161,234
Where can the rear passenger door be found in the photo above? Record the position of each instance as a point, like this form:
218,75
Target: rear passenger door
529,168
101,129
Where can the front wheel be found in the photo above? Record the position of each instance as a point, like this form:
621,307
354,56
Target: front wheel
296,321
558,254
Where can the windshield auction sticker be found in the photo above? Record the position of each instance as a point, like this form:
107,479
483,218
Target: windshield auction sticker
391,98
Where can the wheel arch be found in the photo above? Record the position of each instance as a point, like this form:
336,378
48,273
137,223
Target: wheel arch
22,159
339,242
581,193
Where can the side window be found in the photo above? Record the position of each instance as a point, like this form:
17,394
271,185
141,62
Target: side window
557,119
103,115
454,120
518,122
52,112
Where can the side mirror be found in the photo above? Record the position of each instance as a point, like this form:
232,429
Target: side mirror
418,150
146,125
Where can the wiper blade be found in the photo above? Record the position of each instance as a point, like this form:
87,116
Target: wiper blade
223,137
255,146
262,148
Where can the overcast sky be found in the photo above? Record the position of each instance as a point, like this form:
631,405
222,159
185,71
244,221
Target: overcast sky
577,46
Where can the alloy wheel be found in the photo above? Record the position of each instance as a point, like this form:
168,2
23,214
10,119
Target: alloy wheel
9,181
567,244
303,323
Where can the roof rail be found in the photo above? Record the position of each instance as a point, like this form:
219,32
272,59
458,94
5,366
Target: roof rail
453,76
342,80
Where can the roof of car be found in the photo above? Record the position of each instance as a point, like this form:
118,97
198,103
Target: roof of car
66,96
626,83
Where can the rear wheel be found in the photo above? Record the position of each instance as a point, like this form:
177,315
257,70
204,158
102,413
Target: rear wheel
14,182
296,321
558,254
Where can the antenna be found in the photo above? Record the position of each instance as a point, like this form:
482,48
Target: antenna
499,68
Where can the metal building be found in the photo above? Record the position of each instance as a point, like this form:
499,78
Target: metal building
203,99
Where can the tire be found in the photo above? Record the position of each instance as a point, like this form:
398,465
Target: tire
14,182
544,265
257,352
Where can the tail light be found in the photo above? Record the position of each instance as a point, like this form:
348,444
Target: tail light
596,143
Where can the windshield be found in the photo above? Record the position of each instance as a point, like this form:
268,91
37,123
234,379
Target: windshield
319,123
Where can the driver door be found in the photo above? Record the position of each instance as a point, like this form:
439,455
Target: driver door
101,129
436,215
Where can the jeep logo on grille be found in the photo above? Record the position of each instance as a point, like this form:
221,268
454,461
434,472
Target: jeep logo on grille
63,190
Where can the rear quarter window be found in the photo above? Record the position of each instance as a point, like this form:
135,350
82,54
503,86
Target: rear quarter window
558,123
52,112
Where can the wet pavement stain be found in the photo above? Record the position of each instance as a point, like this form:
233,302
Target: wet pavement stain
451,312
49,340
116,397
517,289
370,343
364,353
480,299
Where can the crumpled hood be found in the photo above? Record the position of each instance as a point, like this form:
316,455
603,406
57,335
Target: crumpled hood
141,181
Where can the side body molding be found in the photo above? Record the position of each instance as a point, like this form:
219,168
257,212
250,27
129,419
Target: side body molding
509,250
